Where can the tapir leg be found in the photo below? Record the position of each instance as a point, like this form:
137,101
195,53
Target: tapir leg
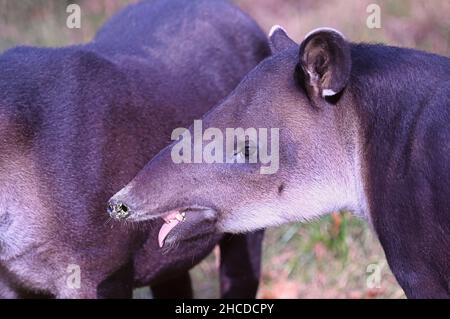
421,282
179,287
240,264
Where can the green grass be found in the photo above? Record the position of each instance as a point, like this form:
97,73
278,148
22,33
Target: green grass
326,258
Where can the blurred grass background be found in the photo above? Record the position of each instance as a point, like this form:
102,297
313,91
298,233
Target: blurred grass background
327,258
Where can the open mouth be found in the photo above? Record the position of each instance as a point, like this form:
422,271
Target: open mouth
179,224
186,224
171,220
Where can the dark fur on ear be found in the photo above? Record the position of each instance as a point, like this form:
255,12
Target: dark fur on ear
279,40
326,62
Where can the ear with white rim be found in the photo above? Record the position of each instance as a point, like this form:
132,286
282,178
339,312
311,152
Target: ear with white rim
279,40
325,60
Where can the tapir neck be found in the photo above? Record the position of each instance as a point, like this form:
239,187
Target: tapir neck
390,88
351,136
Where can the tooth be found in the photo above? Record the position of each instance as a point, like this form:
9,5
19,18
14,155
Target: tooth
180,217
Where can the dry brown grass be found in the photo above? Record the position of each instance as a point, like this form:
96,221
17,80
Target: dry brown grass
420,24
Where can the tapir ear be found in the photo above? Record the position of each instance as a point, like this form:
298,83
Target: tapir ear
279,40
326,62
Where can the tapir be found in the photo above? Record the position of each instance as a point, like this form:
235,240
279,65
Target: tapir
361,127
77,123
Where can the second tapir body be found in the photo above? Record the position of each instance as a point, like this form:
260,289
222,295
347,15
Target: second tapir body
77,123
362,127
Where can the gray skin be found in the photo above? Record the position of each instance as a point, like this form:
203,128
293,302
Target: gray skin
77,123
363,128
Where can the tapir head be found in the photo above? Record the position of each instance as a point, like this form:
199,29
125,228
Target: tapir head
281,147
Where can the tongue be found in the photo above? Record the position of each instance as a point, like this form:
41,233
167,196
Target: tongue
170,222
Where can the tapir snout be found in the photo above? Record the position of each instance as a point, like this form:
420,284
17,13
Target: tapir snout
191,223
194,218
118,210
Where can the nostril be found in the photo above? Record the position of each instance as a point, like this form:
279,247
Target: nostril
118,210
123,207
